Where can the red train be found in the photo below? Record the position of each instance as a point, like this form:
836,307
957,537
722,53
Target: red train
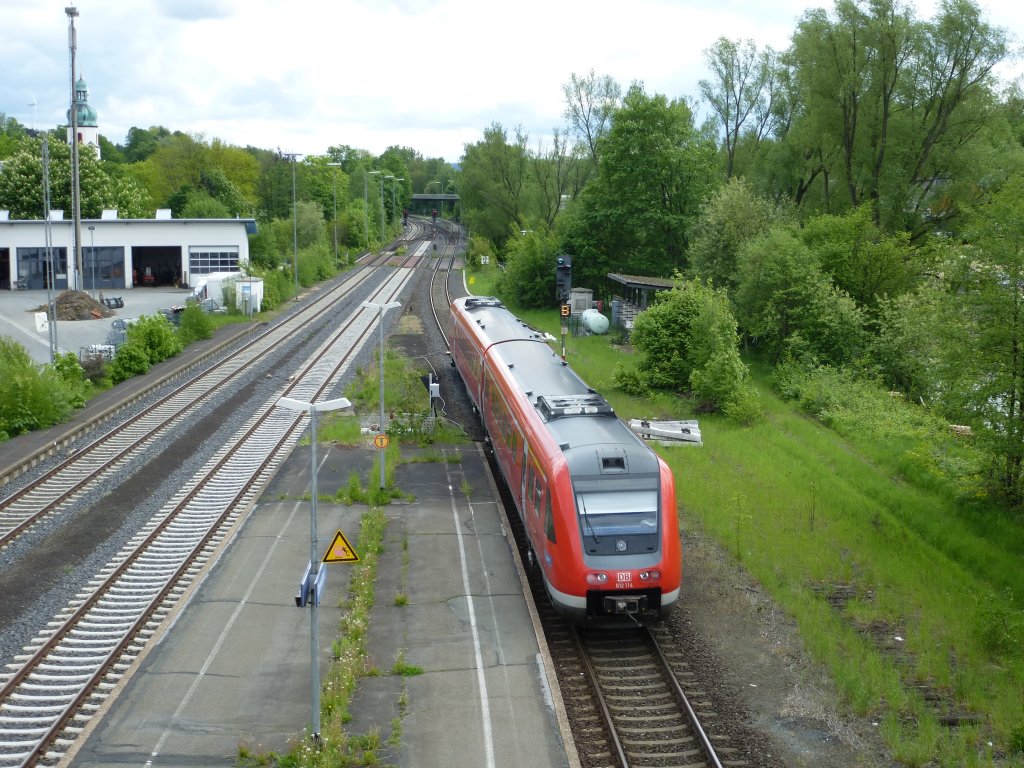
599,505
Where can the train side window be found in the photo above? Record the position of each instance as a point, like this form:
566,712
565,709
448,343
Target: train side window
549,520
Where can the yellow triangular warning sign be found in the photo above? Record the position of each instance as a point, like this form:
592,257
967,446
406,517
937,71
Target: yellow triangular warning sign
341,551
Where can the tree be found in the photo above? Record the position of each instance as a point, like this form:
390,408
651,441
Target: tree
656,171
871,79
21,184
590,101
142,142
689,343
741,90
494,183
731,217
529,277
12,136
787,305
861,259
984,357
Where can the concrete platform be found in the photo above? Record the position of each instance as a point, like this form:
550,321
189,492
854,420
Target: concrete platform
18,318
234,670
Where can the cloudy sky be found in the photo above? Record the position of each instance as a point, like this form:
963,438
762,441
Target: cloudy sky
428,74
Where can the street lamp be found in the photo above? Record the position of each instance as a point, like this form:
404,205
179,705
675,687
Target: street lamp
335,165
366,204
382,308
313,579
382,203
295,225
382,206
92,252
76,193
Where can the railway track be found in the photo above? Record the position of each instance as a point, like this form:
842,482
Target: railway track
70,667
94,462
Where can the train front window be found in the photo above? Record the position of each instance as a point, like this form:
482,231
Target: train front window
618,513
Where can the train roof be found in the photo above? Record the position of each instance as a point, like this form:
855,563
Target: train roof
579,419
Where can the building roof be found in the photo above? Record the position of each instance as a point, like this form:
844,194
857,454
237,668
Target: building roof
639,281
86,115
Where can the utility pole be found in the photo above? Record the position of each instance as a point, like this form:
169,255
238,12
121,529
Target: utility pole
76,192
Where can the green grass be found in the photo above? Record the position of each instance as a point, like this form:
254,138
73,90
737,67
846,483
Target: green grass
819,511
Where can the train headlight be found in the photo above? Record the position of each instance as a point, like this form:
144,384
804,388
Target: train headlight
652,575
597,577
620,545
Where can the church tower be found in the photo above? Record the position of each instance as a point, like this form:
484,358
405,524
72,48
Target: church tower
88,130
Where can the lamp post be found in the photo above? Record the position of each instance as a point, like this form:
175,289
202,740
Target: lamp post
382,308
382,205
51,309
92,253
366,204
313,577
295,225
335,165
76,195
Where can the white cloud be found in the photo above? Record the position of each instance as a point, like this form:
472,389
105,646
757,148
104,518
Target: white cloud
426,74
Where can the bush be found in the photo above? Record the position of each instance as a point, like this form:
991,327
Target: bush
33,396
630,381
195,325
156,337
131,360
67,367
95,369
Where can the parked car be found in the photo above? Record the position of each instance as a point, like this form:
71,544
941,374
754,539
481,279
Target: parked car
209,306
119,330
173,314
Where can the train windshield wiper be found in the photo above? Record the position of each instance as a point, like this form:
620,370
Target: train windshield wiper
586,519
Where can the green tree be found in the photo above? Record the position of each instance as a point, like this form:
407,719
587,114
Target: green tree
732,216
984,359
529,276
892,108
742,91
656,171
12,136
861,259
494,183
689,343
590,102
21,184
142,142
788,306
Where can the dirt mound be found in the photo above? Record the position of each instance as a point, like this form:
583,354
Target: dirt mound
76,305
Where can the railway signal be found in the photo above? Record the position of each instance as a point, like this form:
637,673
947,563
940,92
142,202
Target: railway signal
563,278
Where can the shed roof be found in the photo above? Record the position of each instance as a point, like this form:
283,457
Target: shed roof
639,281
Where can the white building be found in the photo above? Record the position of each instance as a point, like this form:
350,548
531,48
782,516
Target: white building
118,253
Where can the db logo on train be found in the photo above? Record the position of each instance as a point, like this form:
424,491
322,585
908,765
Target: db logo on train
622,580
